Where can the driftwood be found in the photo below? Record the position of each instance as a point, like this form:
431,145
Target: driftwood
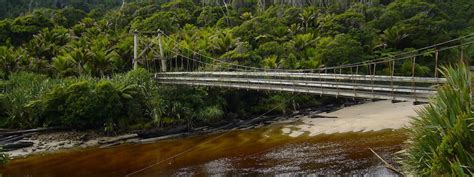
198,131
17,132
218,124
148,140
6,130
13,138
257,120
226,126
159,132
17,145
110,145
321,116
387,165
117,139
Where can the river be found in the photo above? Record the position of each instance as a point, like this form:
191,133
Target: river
260,151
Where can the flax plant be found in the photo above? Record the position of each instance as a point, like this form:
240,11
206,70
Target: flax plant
441,137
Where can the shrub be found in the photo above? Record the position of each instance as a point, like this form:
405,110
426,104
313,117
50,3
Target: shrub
4,158
32,100
19,91
91,104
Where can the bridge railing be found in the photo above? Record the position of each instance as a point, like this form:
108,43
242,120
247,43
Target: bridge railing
377,87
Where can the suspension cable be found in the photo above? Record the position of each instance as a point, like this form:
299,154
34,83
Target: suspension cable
226,65
343,66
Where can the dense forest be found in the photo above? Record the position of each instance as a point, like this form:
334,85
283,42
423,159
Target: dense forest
68,62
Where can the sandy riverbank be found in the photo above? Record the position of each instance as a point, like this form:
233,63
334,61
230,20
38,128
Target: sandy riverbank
370,116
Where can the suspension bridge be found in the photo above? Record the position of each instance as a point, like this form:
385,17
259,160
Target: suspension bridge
392,78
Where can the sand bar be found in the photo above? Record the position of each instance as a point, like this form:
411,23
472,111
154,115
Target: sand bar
371,116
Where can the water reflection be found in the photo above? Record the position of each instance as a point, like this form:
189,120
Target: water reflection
263,151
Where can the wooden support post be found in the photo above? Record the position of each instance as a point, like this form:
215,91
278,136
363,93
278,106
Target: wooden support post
135,50
392,71
413,67
187,64
162,55
175,64
373,75
462,51
321,82
339,81
436,63
352,80
355,80
182,64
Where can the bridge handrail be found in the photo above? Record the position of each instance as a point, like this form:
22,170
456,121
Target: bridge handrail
315,84
348,93
311,76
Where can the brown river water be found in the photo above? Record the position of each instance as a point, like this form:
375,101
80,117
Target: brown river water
256,152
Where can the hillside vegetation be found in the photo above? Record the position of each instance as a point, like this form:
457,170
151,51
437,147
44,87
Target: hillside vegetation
68,63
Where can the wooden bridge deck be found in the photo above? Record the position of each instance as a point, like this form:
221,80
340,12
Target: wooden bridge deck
401,88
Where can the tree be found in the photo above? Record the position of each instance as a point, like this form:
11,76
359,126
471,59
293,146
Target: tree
393,36
68,17
23,28
307,17
348,22
102,57
222,42
209,15
46,45
341,49
12,60
418,22
5,32
74,55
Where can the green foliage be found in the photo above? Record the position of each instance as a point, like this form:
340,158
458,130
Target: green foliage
70,40
69,17
4,158
341,49
12,60
442,135
23,28
20,89
191,105
84,102
209,15
18,7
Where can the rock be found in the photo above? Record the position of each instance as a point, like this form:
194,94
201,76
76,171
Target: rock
84,137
